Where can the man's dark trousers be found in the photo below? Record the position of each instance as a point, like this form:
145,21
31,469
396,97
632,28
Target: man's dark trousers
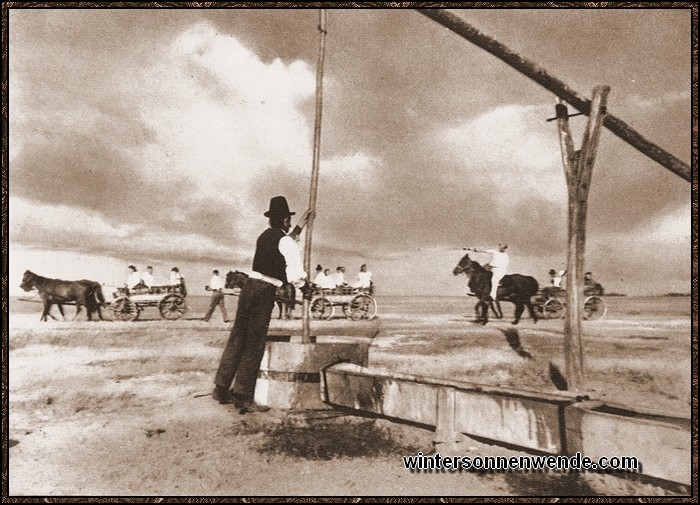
246,343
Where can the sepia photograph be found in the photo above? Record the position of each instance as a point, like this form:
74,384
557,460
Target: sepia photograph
369,250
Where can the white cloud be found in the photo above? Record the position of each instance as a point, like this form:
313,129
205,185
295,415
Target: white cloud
35,219
636,101
358,170
221,114
513,148
80,230
670,229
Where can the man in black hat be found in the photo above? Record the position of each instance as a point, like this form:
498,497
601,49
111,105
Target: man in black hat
276,262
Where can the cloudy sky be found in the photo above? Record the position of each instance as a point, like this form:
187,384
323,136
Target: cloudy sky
159,136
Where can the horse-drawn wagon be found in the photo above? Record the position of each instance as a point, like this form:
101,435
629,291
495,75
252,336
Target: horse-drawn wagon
128,303
550,304
356,303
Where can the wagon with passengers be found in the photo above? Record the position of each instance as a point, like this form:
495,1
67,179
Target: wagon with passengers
356,303
129,302
550,303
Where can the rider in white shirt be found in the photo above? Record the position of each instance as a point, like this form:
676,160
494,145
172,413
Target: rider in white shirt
498,265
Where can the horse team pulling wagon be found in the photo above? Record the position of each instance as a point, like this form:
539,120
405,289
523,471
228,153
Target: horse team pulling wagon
128,303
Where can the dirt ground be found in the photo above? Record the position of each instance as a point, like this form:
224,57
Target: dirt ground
114,408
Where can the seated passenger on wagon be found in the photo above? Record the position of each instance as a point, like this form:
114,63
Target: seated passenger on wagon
339,278
175,277
177,281
590,286
364,279
319,273
147,277
325,281
133,281
555,280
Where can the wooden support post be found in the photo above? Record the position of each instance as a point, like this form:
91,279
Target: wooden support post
578,166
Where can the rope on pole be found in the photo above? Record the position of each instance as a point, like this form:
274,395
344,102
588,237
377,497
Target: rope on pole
306,331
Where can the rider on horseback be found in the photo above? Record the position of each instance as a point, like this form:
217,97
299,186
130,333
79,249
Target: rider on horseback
498,265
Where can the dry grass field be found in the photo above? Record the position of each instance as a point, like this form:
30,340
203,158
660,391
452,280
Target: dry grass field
113,408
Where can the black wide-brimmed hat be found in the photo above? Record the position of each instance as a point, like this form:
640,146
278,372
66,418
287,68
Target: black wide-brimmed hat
278,207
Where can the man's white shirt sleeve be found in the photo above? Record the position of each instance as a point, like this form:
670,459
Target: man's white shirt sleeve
295,268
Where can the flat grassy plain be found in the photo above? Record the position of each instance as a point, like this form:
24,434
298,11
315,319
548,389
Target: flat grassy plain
114,408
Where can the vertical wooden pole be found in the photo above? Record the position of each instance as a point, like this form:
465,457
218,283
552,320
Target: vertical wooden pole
578,167
306,330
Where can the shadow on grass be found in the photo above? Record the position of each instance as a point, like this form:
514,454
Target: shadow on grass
325,441
513,339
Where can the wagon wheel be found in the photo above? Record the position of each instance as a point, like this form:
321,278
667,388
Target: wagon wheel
553,309
172,306
363,307
594,307
321,308
124,309
347,309
538,306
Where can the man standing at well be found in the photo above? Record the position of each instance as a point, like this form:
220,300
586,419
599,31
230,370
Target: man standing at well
277,261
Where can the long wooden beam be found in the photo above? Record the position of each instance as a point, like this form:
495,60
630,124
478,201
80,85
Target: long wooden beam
559,88
306,323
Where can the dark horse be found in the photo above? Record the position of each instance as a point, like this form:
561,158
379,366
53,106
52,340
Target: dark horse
83,292
515,288
285,295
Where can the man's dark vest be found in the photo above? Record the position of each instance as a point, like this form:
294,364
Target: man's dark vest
268,259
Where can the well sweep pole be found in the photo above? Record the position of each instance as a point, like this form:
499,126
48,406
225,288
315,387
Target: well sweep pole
306,331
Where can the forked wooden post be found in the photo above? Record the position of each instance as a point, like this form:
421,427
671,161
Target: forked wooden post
578,166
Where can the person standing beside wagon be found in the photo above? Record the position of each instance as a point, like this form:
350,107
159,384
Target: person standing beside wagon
216,286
